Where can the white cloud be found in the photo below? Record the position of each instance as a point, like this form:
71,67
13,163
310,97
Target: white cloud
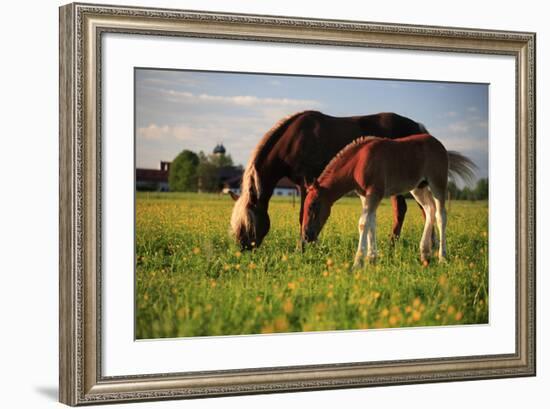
238,100
482,124
465,144
155,132
168,79
176,120
459,127
466,126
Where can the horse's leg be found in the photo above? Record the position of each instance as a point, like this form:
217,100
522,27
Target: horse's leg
367,231
441,220
359,255
303,192
372,251
399,209
423,197
434,236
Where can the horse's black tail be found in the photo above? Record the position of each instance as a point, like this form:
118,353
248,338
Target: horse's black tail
462,167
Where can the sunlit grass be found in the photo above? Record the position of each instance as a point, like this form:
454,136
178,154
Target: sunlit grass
192,280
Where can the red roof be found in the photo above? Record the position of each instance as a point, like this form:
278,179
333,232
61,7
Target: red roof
151,175
231,175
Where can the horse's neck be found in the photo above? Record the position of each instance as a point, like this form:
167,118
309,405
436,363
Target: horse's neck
269,177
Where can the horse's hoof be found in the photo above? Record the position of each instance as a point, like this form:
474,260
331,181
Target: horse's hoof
425,262
358,264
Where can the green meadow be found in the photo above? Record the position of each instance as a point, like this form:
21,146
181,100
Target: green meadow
192,280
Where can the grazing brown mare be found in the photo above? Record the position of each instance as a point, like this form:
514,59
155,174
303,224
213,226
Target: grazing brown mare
299,147
376,167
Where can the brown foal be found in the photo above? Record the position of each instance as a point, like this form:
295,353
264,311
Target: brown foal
377,167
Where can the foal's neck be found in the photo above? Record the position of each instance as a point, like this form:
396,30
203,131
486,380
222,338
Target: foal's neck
337,184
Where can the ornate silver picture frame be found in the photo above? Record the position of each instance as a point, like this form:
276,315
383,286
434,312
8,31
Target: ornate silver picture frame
82,380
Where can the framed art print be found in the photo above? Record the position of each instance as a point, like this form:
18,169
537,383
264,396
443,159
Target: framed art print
255,204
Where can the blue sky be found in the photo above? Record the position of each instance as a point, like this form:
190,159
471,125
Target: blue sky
178,110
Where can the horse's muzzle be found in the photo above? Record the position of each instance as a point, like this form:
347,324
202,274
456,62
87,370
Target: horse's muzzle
309,237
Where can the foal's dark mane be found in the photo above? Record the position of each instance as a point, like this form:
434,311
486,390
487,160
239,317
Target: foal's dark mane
344,153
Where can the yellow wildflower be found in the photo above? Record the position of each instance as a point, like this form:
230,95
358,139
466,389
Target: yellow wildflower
288,307
281,324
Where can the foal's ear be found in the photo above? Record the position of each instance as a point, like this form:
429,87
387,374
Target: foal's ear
234,196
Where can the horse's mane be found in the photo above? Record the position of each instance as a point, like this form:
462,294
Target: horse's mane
342,154
251,187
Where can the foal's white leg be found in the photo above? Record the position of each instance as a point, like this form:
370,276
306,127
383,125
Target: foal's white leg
424,197
371,234
359,255
441,219
367,231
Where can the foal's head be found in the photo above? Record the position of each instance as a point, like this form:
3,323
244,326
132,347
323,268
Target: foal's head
316,212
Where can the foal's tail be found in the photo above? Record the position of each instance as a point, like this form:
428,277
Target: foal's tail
462,167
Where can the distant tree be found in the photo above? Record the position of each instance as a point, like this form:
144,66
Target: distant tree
207,176
220,160
479,192
454,191
482,189
183,172
208,170
472,195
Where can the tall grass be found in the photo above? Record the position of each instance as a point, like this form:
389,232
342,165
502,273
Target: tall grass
191,279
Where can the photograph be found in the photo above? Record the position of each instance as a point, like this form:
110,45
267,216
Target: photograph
270,203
